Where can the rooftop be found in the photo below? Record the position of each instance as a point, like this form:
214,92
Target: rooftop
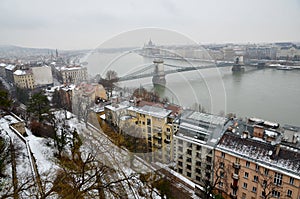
201,127
10,67
152,110
286,159
21,72
67,68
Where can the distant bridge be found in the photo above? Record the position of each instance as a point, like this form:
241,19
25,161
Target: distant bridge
158,70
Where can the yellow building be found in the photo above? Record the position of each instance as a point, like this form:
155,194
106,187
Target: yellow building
24,79
256,166
154,124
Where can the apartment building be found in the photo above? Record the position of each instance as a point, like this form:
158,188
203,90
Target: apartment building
72,74
9,72
155,124
24,79
255,163
195,138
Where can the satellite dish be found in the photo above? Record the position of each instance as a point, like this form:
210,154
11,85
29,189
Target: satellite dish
270,153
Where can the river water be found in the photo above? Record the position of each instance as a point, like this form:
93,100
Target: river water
269,94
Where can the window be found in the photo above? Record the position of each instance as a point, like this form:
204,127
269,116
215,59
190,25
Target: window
245,185
180,142
266,171
221,164
243,195
255,178
208,159
222,174
168,129
198,155
179,170
189,159
246,175
264,184
223,155
189,152
289,193
278,179
180,163
275,194
247,164
198,148
208,167
148,122
254,189
256,167
180,148
198,163
198,171
291,180
189,167
221,184
188,174
198,178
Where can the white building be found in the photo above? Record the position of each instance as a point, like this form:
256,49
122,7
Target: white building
42,76
194,144
72,74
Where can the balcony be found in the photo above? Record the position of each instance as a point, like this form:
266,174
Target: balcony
236,165
234,187
233,196
167,133
158,137
157,145
235,176
167,141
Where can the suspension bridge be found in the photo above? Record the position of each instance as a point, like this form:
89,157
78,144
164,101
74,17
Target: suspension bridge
158,70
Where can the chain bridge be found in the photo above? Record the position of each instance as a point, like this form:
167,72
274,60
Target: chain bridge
158,70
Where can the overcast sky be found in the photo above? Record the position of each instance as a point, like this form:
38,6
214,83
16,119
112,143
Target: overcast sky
75,24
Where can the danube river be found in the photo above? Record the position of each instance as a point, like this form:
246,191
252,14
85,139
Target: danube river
269,94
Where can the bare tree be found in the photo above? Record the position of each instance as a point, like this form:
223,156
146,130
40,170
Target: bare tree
110,81
266,182
214,179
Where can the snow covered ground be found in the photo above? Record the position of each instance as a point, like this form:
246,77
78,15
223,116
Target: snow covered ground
94,140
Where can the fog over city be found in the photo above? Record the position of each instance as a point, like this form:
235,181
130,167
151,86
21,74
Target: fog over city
86,24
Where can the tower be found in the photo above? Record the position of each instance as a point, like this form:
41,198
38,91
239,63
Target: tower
159,73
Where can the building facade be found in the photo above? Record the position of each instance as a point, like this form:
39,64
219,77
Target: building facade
42,76
73,74
194,143
256,164
24,79
154,123
9,72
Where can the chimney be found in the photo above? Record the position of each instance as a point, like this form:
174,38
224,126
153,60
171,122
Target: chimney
277,149
245,134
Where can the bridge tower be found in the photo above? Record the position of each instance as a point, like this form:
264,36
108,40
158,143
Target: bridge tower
159,73
238,63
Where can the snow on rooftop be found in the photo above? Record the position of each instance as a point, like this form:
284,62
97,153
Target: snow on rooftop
10,119
255,149
116,107
193,127
2,65
208,118
67,68
152,110
20,72
271,133
10,67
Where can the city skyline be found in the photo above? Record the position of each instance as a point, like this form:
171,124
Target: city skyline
79,25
